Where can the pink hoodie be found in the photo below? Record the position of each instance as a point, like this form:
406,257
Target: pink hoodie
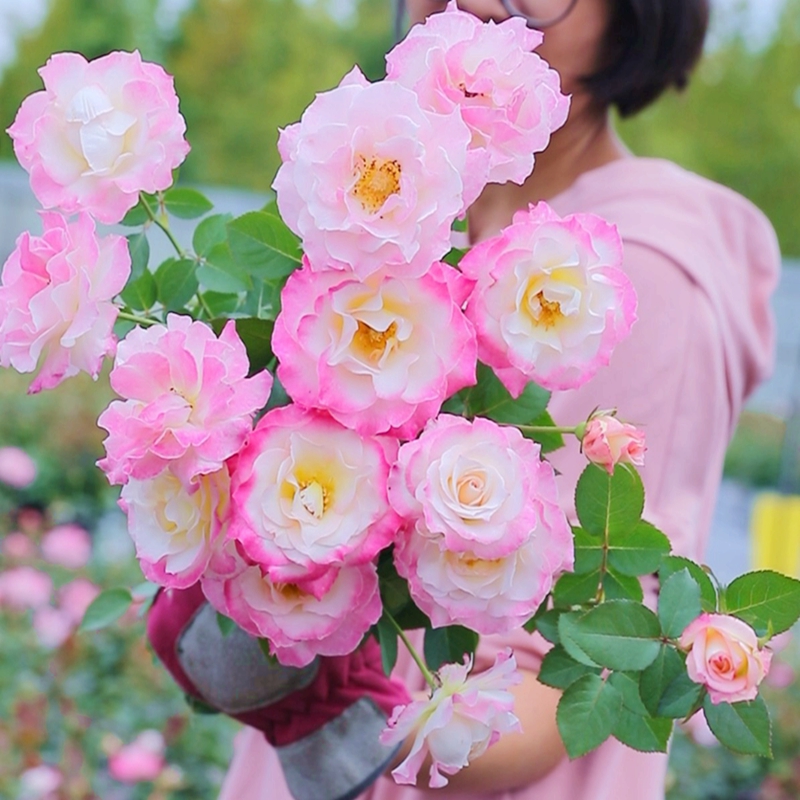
704,262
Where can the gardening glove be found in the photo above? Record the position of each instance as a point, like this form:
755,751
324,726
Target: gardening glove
323,720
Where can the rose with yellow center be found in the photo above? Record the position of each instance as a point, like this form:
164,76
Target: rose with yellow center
310,494
377,179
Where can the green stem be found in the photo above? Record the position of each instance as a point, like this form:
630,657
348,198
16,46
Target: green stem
545,429
204,305
423,667
161,224
137,319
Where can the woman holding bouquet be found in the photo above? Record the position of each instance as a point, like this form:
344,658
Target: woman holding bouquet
703,262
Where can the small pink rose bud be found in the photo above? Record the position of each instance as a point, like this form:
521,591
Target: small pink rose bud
725,657
607,442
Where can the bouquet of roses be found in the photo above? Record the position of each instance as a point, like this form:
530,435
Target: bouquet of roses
394,478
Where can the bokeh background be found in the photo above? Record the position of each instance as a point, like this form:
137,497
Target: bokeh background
70,702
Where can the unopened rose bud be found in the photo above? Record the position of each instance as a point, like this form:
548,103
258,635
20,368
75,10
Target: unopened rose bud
607,442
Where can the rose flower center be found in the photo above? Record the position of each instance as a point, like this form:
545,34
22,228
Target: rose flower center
378,179
471,489
372,344
544,312
290,591
314,498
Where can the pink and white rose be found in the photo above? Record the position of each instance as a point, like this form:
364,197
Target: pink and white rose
371,180
509,97
101,132
309,493
551,301
188,406
55,300
25,587
176,526
68,546
608,442
463,717
724,656
380,355
17,468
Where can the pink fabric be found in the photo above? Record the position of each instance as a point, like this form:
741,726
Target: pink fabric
703,261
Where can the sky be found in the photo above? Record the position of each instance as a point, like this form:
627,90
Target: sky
758,17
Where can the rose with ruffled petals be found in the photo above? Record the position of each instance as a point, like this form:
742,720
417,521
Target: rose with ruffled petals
725,657
101,132
309,493
189,404
379,355
55,300
176,526
370,180
328,615
508,96
551,301
463,717
607,442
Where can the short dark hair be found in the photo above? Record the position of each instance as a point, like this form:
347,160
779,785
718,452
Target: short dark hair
649,46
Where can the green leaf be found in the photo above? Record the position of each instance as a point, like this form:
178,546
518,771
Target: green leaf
278,396
619,634
453,256
645,734
548,441
264,299
622,587
137,215
460,224
560,670
546,622
638,550
139,248
448,645
665,686
220,273
766,600
395,596
141,294
211,231
256,334
176,283
225,624
489,398
106,608
572,589
262,244
198,706
588,551
672,564
387,638
678,603
568,638
627,684
587,714
609,504
186,203
220,304
742,727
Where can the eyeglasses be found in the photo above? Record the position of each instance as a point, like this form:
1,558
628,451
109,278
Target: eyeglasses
540,13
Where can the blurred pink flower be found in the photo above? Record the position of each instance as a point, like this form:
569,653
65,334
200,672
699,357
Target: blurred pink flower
75,597
697,727
68,546
17,546
55,300
52,626
25,587
40,783
141,760
17,468
100,133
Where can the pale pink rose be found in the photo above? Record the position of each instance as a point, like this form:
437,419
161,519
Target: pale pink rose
608,442
40,783
328,615
75,597
309,493
141,760
68,546
189,404
724,656
175,526
508,96
17,468
100,133
52,626
379,355
55,300
25,587
18,547
462,719
551,301
370,180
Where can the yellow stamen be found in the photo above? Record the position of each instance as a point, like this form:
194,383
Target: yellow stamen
378,180
372,344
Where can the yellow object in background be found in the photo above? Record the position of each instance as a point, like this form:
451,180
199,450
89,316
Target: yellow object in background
775,532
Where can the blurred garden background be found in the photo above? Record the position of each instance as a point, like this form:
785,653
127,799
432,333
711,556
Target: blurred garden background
91,715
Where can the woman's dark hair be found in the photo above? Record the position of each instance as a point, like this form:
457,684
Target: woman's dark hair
650,46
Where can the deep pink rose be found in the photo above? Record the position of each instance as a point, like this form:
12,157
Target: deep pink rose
17,468
608,442
100,133
463,717
55,300
309,493
379,355
141,760
551,301
724,656
508,96
189,404
68,546
25,587
371,180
